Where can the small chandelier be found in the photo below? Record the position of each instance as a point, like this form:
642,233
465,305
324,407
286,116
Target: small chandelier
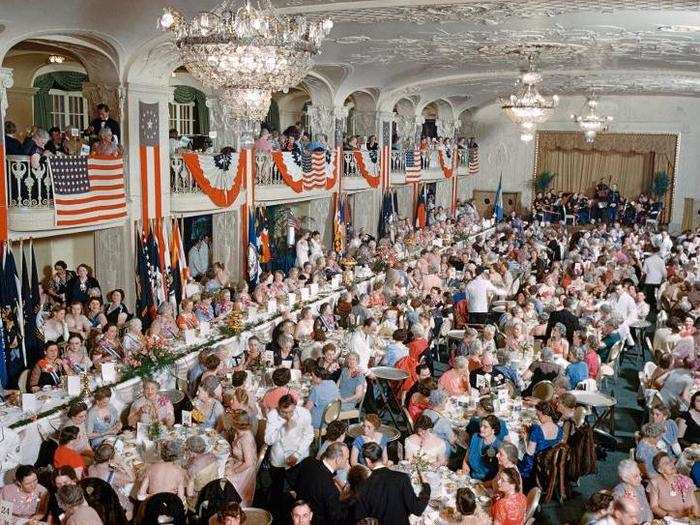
56,59
248,53
592,123
526,107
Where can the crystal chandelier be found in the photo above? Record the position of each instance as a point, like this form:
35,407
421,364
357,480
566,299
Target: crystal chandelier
592,123
248,53
527,107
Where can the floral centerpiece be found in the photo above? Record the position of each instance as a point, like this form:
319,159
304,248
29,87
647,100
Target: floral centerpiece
154,356
347,262
155,431
234,324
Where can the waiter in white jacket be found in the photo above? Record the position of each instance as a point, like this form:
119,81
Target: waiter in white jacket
477,291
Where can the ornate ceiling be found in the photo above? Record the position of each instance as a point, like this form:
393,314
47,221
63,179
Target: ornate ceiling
437,49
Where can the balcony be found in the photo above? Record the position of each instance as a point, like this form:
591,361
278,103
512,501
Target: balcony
29,195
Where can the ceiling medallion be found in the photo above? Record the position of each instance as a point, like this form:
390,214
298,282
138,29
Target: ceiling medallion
591,123
248,53
527,107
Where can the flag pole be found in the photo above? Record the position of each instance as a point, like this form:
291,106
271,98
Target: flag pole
20,307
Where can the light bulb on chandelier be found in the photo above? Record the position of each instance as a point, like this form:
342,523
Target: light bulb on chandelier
591,123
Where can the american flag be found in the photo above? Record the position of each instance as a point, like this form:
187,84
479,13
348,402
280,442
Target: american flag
313,167
88,190
412,165
473,158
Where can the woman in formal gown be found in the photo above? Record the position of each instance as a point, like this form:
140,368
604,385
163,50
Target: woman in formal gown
241,467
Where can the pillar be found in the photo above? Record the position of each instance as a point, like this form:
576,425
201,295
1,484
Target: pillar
6,82
113,268
227,242
340,114
322,121
100,93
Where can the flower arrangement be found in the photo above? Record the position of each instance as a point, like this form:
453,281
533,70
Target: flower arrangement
234,324
154,431
150,360
197,416
421,462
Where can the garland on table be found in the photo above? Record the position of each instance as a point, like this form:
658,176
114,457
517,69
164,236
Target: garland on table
148,363
234,324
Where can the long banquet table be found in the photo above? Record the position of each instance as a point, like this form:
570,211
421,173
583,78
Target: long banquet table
34,428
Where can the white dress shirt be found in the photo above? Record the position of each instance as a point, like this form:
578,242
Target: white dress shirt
361,344
477,294
283,442
198,259
654,269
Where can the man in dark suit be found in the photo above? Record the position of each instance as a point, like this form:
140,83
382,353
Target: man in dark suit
12,145
388,494
565,317
312,480
103,120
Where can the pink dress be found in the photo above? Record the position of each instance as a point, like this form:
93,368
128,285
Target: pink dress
243,449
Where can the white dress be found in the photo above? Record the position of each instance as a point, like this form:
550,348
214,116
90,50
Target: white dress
302,253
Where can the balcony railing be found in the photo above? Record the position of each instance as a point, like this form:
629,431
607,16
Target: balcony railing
27,186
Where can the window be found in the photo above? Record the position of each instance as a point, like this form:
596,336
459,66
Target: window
68,109
182,117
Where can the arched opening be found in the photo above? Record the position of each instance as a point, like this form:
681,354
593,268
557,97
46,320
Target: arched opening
188,112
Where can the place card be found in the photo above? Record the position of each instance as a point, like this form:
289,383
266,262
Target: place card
291,299
204,328
296,374
190,337
480,381
287,364
6,508
437,242
74,386
272,306
30,403
313,289
269,357
335,281
304,294
85,150
109,373
502,395
186,418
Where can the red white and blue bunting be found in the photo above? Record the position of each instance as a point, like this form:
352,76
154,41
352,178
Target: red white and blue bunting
369,166
219,176
448,159
307,170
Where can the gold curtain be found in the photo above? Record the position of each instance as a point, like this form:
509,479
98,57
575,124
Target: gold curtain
579,171
629,159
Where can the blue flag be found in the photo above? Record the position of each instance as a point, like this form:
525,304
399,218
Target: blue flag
498,202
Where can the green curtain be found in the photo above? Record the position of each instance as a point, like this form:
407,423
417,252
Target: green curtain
64,80
272,121
187,94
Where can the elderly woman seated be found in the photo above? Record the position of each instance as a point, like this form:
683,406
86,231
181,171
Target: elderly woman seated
456,380
153,406
165,475
671,495
201,467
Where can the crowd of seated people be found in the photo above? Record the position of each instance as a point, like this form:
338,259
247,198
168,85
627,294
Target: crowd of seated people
576,300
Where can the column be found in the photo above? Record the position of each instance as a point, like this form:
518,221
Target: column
322,121
112,267
100,93
226,241
418,122
6,82
341,117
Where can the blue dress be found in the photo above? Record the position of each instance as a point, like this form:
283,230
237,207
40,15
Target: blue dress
360,441
347,386
527,464
483,464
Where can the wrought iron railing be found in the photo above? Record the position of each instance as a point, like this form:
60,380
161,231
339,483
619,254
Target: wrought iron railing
27,186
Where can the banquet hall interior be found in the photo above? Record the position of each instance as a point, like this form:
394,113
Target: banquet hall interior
350,262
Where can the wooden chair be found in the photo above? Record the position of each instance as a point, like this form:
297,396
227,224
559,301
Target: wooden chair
23,380
330,413
533,502
610,369
255,516
544,391
354,413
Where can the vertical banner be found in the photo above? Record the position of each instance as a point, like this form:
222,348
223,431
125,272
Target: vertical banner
149,151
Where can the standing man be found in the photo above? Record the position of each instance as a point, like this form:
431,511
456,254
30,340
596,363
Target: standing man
198,257
388,495
103,120
313,481
477,296
654,272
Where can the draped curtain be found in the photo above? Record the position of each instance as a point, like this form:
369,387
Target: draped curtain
629,160
63,80
272,121
579,171
187,94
